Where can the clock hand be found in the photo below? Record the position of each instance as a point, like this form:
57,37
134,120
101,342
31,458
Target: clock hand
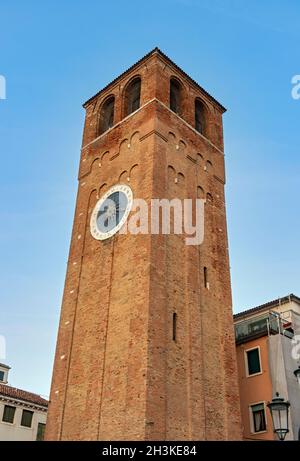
101,212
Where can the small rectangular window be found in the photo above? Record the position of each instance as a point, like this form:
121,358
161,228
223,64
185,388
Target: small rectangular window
258,417
2,376
253,361
26,418
205,277
174,326
8,414
40,431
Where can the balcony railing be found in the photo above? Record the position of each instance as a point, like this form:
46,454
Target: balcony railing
267,324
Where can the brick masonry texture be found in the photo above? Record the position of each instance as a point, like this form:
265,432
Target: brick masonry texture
118,373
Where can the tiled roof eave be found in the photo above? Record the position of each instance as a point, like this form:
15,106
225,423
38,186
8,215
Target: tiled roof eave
23,403
4,366
13,393
267,306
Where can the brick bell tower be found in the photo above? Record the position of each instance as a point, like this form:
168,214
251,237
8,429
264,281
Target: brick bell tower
145,347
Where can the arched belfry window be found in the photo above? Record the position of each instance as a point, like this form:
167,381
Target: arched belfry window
199,116
132,96
175,96
106,119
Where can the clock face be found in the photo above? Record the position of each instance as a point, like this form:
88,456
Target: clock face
111,212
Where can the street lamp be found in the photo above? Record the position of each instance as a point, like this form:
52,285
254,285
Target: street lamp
297,374
279,409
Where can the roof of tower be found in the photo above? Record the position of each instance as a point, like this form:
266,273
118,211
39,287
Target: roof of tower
269,305
144,58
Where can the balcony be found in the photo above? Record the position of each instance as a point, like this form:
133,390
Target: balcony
265,325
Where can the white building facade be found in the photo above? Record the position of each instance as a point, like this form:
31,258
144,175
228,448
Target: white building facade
22,414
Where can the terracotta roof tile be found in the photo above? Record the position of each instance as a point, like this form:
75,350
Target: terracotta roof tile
19,394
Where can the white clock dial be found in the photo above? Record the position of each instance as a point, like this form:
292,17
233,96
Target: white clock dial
111,212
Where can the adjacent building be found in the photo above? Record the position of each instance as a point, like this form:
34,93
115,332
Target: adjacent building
267,356
22,414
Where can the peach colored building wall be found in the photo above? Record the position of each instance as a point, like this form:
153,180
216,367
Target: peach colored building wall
255,389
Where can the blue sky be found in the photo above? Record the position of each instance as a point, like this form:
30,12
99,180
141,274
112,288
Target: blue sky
54,56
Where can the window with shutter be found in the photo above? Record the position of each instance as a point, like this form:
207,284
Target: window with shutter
8,414
253,361
26,418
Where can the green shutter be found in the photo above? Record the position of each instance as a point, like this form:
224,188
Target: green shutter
26,418
40,431
8,414
253,362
